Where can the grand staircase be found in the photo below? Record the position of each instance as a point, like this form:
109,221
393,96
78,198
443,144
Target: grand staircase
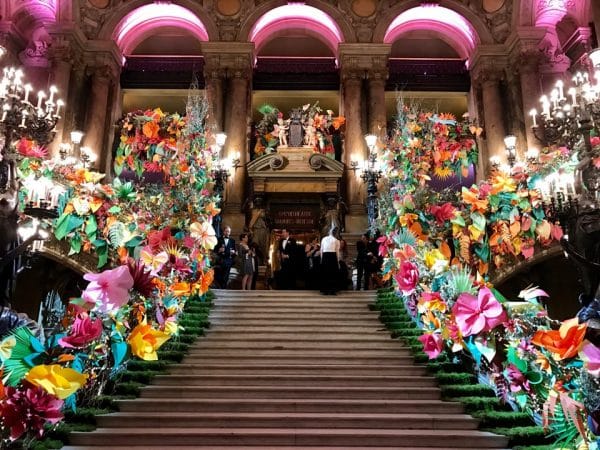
291,369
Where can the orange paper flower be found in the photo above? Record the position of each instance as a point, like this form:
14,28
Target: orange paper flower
563,343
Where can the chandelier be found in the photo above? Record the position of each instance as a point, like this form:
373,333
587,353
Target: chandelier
570,117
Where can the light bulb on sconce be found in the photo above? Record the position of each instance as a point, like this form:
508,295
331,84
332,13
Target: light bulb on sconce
371,140
532,155
495,161
510,142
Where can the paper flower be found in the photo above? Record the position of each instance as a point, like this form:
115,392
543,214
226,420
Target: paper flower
407,277
477,314
443,212
29,408
108,290
56,380
83,331
590,354
563,343
145,341
432,344
142,277
204,233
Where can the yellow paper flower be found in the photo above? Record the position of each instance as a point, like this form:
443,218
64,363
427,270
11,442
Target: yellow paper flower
435,258
56,380
204,233
145,341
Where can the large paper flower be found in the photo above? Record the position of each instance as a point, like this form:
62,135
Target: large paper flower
477,314
407,277
83,331
29,408
109,290
591,355
563,343
145,340
204,233
432,344
56,380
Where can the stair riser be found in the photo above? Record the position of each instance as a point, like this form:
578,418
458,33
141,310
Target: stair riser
227,353
186,380
340,307
216,358
200,405
297,438
187,369
297,345
179,393
299,332
284,422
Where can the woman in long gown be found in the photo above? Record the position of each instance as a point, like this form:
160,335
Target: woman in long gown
330,266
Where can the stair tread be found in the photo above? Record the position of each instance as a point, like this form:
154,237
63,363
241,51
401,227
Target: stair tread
421,416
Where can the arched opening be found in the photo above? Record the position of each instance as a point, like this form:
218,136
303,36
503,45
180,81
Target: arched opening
161,44
428,65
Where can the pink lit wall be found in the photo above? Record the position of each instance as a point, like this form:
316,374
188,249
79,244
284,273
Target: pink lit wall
140,23
448,24
298,16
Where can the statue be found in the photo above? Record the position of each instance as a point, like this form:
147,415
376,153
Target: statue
310,135
260,228
281,128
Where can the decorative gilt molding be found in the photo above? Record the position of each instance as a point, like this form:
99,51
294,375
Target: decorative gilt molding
319,162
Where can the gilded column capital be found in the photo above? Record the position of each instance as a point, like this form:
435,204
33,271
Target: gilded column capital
487,72
352,75
377,75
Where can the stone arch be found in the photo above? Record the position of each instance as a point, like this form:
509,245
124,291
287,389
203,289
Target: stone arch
480,29
38,11
345,32
195,20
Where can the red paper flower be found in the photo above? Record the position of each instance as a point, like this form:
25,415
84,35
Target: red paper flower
29,408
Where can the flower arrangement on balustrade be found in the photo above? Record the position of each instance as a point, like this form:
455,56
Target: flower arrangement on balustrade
156,239
321,130
438,248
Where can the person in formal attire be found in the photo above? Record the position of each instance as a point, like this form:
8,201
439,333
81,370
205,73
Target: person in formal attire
259,226
226,252
247,262
257,258
343,273
312,251
330,263
373,263
287,253
361,262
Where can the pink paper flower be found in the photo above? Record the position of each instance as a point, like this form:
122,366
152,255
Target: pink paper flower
407,277
83,331
108,290
476,314
432,344
29,408
591,355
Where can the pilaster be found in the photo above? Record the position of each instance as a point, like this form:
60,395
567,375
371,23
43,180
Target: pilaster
486,73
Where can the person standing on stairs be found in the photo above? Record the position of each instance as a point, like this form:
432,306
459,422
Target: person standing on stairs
225,251
287,255
247,264
361,262
330,262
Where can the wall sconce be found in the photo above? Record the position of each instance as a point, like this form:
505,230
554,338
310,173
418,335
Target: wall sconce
76,137
88,157
532,155
510,142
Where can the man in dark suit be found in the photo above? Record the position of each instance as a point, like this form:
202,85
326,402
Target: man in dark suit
287,255
226,251
361,262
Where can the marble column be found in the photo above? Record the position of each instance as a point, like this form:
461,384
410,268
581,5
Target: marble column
355,147
60,76
531,91
95,136
237,141
493,115
214,81
376,107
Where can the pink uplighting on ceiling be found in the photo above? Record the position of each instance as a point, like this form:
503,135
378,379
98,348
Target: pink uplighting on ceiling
138,24
299,16
448,24
41,10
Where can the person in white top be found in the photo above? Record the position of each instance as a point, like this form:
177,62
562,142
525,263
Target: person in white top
330,266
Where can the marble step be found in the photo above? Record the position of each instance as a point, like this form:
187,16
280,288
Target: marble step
289,420
289,436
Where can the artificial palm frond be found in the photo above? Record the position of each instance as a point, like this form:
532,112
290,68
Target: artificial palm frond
405,237
460,281
19,362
